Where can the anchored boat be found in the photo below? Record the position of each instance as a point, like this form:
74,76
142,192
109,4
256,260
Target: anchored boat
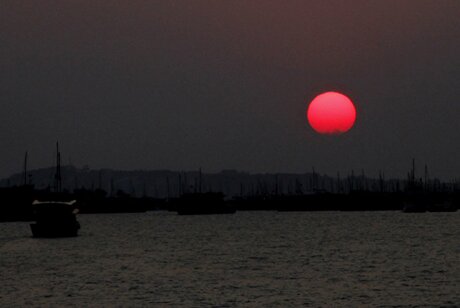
55,219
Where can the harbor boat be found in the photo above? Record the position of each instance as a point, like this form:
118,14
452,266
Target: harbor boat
202,204
417,202
55,219
447,205
410,207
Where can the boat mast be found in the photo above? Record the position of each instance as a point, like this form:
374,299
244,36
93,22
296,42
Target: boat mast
25,170
57,177
200,183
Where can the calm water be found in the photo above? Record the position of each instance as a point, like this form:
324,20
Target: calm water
246,259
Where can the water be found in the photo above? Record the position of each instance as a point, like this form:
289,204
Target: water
247,259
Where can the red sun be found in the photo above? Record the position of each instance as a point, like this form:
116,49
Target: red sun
331,113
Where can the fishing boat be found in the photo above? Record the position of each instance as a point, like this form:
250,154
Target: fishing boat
55,219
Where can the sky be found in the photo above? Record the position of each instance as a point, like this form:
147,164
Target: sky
183,85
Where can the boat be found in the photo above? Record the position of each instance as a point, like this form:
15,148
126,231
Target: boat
417,202
55,219
413,207
201,204
446,205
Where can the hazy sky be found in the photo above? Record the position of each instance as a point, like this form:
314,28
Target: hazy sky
225,84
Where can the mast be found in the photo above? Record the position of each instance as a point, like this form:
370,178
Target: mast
339,188
200,182
426,177
112,187
382,181
314,179
57,177
25,170
167,188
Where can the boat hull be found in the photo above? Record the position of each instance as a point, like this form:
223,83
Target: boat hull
45,230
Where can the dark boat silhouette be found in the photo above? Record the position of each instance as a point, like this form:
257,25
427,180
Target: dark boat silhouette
429,202
201,204
414,207
443,205
55,219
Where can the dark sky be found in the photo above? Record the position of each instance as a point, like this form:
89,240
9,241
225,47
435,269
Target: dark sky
225,84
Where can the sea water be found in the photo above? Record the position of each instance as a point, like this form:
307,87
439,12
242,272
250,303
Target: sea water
265,259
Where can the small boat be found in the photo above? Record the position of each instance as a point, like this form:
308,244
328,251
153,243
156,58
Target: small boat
443,206
55,219
410,207
202,204
416,202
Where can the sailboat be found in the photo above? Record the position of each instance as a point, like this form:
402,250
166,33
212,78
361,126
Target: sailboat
55,218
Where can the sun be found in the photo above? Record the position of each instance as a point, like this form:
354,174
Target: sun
331,113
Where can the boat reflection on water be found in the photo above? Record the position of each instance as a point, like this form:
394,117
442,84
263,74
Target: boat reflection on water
55,219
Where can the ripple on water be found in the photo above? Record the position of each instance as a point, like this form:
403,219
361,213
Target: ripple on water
250,258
